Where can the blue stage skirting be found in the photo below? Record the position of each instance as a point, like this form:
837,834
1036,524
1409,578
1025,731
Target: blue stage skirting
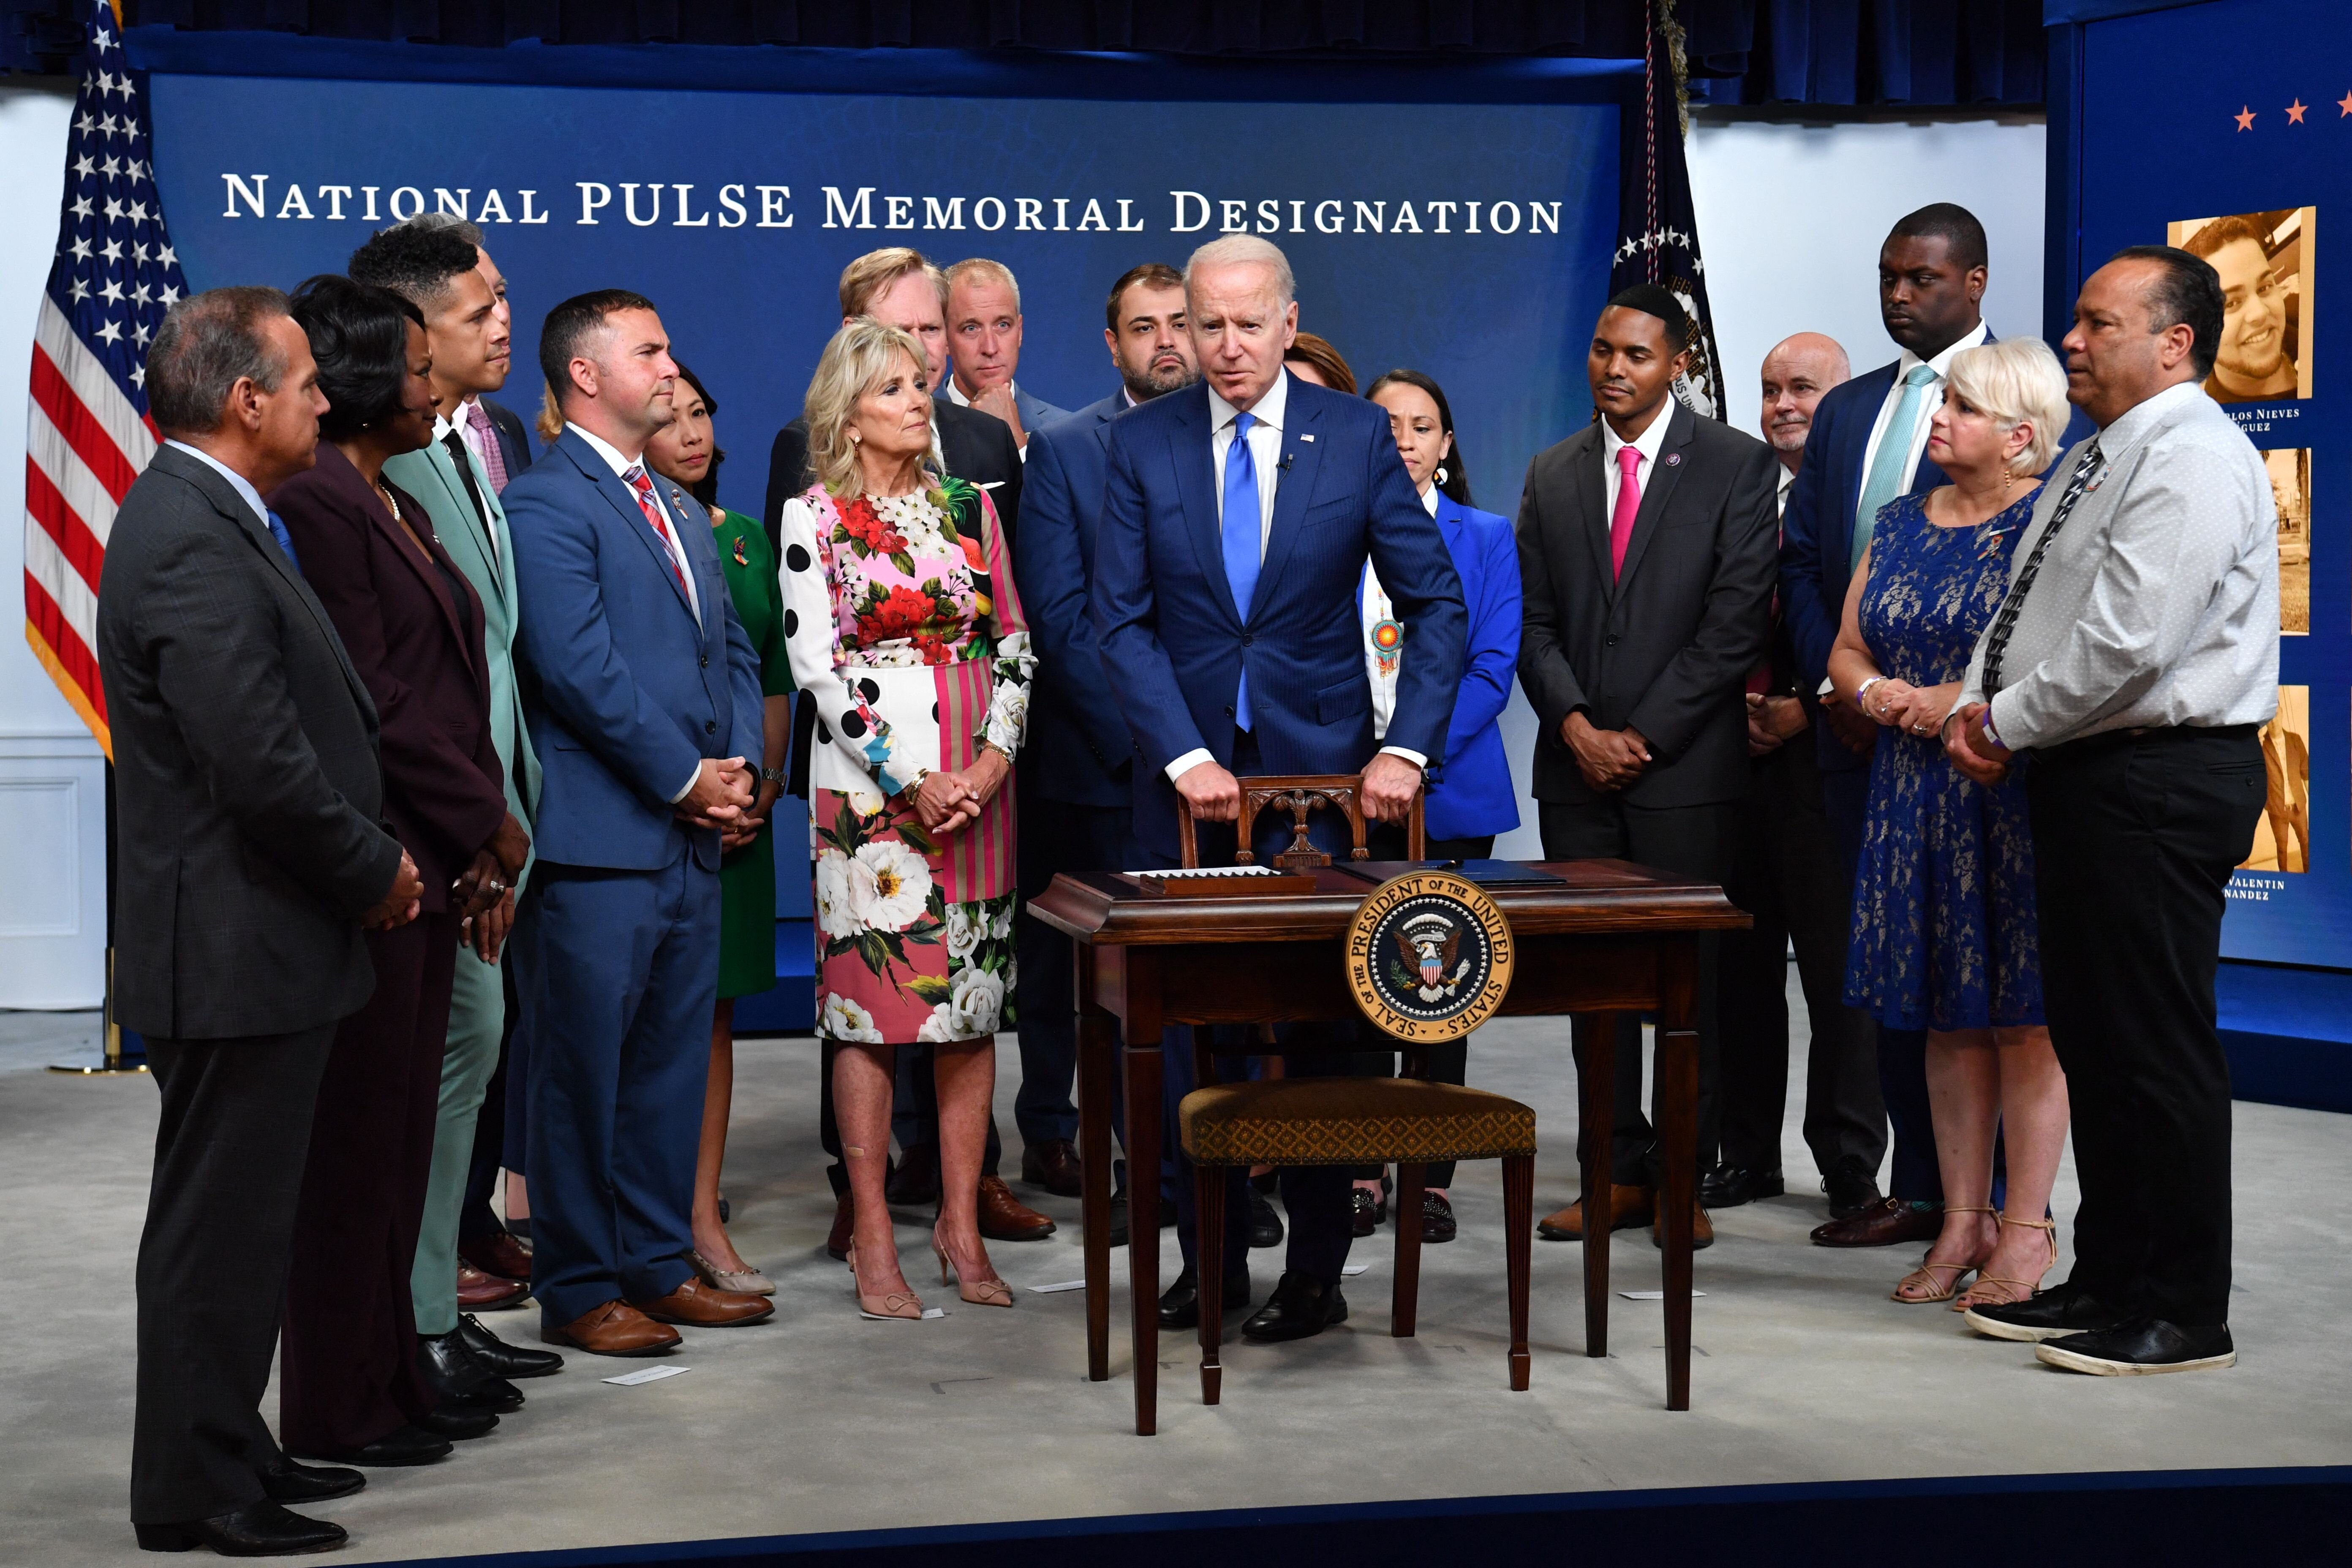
790,1007
2288,1033
2215,1519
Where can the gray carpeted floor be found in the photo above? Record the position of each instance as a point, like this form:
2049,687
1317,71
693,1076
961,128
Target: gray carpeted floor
818,1421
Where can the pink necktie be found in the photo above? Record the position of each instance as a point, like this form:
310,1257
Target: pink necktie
494,461
644,486
1629,505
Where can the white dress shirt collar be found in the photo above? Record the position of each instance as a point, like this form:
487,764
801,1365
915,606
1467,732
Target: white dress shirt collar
1787,483
1428,500
676,543
606,450
1648,443
1942,364
238,483
1268,412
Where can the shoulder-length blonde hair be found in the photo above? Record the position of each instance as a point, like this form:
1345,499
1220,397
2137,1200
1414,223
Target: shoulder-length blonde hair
860,358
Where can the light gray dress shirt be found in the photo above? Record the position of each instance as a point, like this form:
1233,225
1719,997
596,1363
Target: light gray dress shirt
2157,603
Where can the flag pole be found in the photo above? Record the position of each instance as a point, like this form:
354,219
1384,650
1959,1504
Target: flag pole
112,1060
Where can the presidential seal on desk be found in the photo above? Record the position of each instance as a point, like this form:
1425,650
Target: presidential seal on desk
1429,956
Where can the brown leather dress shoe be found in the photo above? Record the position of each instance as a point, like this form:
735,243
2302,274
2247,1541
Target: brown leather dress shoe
501,1253
1884,1224
1052,1165
614,1329
704,1308
845,1227
1003,1217
480,1292
1628,1207
1701,1230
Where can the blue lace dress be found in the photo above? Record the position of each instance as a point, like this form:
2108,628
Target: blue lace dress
1944,931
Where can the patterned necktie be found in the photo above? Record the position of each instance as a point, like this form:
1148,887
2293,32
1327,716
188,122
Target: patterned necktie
1241,528
494,461
1629,506
2022,584
1885,480
285,541
635,480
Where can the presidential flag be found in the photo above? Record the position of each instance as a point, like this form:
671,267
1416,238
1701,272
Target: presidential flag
1657,230
89,434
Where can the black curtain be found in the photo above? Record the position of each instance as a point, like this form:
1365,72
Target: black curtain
1843,52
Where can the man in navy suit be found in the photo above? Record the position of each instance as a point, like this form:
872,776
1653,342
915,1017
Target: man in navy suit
1077,768
1869,446
641,693
1237,517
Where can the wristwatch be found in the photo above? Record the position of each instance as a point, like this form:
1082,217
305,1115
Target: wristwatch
773,776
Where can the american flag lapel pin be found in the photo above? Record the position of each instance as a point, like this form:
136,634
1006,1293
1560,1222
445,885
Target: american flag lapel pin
1306,438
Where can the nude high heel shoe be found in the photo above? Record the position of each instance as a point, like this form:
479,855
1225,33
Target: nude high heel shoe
991,1291
889,1307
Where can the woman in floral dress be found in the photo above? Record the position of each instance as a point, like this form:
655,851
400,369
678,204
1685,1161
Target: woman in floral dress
901,620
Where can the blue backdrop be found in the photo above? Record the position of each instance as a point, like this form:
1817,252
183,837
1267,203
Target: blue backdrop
1390,212
2162,140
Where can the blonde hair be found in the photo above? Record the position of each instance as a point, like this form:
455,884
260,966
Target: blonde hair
981,270
858,361
550,423
877,269
2016,381
1245,249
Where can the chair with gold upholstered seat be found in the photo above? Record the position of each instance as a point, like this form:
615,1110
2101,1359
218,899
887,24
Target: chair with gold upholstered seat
1408,1121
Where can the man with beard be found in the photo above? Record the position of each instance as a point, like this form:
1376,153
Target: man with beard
2253,361
1076,769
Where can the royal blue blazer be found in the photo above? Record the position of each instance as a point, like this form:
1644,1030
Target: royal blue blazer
1470,792
622,691
1174,646
1078,749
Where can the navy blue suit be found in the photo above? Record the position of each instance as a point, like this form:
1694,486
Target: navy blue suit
617,950
1816,569
1174,644
1076,762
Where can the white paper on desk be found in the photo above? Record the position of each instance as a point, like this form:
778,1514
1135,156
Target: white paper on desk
1057,1285
1651,1295
1346,1269
647,1374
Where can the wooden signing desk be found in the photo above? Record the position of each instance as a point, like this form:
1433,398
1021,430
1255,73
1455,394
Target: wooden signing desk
1609,937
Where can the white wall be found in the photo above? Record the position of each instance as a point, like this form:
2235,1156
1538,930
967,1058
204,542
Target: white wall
1791,219
52,779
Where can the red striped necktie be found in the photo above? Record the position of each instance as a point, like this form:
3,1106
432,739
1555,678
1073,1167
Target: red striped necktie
643,487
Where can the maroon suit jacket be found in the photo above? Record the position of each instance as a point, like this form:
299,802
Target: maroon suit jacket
419,650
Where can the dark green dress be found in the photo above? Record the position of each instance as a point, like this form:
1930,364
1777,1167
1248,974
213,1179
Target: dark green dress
747,877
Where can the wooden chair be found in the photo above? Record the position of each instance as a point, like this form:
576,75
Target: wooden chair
1408,1121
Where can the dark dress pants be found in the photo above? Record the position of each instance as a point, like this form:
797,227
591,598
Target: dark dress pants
1913,1175
1786,871
1055,837
347,1373
1691,840
2133,839
618,977
229,1151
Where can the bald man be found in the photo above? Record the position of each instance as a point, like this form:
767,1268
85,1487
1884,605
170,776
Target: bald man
1785,871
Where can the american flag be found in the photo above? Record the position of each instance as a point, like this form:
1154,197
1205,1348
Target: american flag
89,436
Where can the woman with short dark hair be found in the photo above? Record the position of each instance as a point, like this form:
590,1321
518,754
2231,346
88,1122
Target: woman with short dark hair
352,1385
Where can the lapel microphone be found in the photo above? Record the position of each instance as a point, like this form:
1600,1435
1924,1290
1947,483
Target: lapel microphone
1284,465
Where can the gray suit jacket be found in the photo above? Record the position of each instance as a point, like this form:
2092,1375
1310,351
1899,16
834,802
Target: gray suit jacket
247,785
431,476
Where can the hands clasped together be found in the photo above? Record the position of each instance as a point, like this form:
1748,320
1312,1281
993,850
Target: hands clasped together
948,800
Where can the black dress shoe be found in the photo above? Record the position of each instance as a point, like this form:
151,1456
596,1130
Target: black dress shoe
401,1446
501,1359
460,1422
1300,1309
2052,1315
1119,1219
1180,1304
1367,1212
1729,1186
286,1481
1852,1186
1436,1217
256,1529
1266,1226
451,1370
2141,1347
915,1184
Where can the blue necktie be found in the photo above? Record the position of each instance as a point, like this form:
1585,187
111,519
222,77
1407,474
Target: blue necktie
1885,480
285,540
1241,537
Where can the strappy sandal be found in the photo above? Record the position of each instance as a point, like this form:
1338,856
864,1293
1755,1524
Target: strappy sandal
1924,1277
2026,1290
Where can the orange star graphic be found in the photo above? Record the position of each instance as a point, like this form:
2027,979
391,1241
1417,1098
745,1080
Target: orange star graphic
2245,119
2344,103
2295,113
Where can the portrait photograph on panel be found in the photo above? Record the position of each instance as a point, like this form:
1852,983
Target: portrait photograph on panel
2289,471
2265,262
2282,836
